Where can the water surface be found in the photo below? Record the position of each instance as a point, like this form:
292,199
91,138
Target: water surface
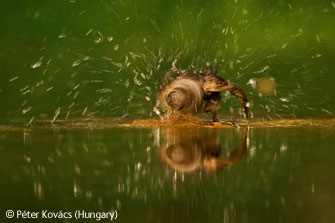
267,174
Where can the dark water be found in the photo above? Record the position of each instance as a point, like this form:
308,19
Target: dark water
172,175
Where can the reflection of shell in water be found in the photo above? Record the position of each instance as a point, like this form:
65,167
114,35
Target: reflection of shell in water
184,95
182,157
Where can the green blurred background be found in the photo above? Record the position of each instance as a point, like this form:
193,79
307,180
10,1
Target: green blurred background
79,58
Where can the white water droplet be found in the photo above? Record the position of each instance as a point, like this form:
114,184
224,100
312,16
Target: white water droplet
50,88
98,40
13,79
284,99
57,112
36,65
283,148
252,83
116,47
76,63
136,81
88,32
24,111
62,36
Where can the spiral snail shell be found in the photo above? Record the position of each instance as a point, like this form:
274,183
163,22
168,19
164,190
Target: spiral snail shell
185,95
197,92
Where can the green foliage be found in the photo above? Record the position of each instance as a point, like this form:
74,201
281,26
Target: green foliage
106,58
